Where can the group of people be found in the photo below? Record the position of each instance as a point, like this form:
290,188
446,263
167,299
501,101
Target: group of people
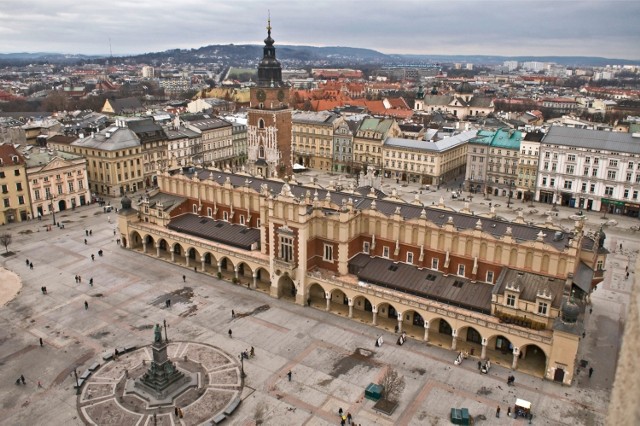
248,353
511,379
29,264
345,418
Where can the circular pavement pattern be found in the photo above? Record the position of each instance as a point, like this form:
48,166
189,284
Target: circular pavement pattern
102,401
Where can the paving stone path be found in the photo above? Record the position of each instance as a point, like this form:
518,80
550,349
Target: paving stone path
103,402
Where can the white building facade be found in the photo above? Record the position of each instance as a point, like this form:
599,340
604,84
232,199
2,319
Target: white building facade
590,170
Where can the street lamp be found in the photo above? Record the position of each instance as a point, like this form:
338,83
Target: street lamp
75,373
53,210
242,375
510,194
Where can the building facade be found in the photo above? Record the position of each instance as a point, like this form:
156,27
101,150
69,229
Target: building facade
528,166
215,140
314,138
343,146
427,162
57,182
114,159
510,292
15,206
368,141
591,170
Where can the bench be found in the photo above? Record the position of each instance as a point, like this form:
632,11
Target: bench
85,375
80,383
218,419
94,366
107,356
130,348
232,406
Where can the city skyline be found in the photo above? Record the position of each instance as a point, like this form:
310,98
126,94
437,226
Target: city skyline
515,28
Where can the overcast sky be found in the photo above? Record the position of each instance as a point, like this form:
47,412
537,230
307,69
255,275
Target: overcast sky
608,28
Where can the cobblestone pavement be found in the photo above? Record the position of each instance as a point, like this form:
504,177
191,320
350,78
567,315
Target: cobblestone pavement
319,348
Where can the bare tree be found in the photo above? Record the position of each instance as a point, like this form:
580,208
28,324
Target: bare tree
392,385
5,240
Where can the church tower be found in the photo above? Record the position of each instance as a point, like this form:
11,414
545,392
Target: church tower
269,118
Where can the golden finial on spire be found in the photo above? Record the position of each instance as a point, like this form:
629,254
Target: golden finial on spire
269,22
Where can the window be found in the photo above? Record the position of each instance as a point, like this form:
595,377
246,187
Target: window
586,171
587,160
596,161
434,263
209,211
600,265
16,172
328,253
410,257
385,251
594,172
542,308
19,186
490,277
80,185
552,182
611,174
568,184
608,190
37,194
629,176
592,189
635,195
194,208
571,157
225,216
613,163
286,248
60,189
461,270
1,174
365,247
584,187
70,186
511,300
544,181
5,189
626,194
6,202
241,219
570,169
630,165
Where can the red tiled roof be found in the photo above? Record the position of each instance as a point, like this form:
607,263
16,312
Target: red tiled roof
7,153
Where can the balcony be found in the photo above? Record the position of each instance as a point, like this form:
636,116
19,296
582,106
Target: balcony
284,266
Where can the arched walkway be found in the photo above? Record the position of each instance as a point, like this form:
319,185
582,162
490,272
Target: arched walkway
440,332
532,360
363,309
286,288
226,269
413,324
135,241
339,303
387,317
316,296
500,350
470,341
263,280
210,264
162,250
245,274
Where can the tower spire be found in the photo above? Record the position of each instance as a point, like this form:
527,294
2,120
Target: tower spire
269,24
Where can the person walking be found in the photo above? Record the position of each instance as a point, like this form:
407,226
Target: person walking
22,380
289,376
85,241
184,278
41,342
86,305
590,371
349,418
86,233
498,412
93,256
252,353
30,265
91,282
27,262
230,333
233,314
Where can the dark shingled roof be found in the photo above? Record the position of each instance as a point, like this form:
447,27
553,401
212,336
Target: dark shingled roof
530,284
217,230
462,221
434,285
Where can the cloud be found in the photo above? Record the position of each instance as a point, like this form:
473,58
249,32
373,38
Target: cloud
515,27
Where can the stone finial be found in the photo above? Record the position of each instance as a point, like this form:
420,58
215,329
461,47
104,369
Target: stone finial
509,231
328,197
423,214
540,236
286,190
479,224
247,182
374,205
398,210
227,181
315,196
450,220
394,192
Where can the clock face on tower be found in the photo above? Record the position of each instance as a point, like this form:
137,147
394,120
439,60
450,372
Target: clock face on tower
261,95
280,95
